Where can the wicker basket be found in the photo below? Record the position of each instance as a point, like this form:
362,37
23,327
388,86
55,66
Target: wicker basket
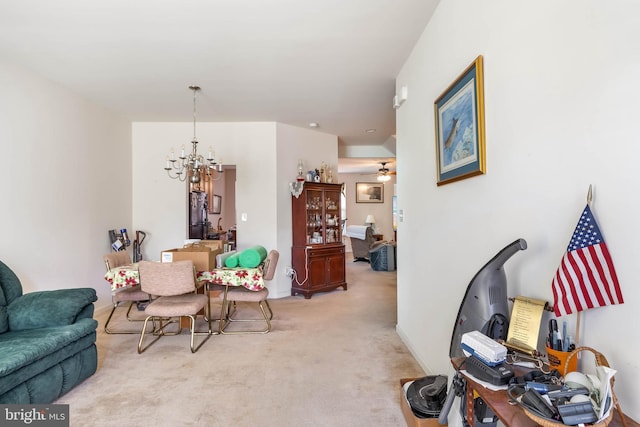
548,423
600,360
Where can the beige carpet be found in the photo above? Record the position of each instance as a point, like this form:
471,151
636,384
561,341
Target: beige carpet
332,360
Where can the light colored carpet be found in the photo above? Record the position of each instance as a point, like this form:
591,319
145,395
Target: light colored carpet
332,360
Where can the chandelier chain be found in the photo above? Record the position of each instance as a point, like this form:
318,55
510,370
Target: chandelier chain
193,165
195,91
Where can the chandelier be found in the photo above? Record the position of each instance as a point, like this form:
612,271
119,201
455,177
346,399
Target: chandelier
192,165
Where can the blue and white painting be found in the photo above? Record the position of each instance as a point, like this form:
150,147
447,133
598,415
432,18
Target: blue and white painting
457,118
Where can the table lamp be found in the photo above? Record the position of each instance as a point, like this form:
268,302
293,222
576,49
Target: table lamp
370,221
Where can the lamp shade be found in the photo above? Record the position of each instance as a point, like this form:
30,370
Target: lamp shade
370,219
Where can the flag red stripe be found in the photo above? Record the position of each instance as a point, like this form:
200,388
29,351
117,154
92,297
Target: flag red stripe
579,299
590,283
555,285
560,301
567,286
600,264
614,277
558,305
565,283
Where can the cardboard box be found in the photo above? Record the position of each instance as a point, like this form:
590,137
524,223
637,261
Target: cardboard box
213,244
410,418
202,256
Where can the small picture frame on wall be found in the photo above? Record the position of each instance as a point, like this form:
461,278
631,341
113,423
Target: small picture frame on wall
459,124
369,192
217,204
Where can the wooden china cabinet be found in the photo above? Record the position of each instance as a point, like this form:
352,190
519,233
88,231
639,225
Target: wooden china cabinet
317,253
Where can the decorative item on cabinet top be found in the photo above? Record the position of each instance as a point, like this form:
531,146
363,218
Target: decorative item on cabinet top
322,175
296,188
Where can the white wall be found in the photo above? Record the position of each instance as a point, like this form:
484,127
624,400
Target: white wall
560,100
160,203
265,155
65,181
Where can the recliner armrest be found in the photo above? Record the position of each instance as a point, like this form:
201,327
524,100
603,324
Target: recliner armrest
50,308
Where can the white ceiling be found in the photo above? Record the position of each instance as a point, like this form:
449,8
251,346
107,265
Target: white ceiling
332,62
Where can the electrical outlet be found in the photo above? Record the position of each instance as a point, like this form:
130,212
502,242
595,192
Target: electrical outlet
289,271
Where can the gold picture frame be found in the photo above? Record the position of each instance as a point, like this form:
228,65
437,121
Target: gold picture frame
459,126
369,192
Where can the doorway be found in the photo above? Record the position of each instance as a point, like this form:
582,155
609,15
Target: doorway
219,217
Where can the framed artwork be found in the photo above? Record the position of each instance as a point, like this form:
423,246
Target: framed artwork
459,124
217,203
369,192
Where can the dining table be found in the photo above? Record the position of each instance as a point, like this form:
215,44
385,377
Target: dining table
126,276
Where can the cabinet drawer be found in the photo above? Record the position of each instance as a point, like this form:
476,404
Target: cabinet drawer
326,251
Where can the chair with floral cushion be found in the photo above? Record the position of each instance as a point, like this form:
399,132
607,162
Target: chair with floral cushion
132,295
235,294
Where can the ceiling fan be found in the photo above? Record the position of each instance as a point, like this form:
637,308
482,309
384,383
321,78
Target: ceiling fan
384,174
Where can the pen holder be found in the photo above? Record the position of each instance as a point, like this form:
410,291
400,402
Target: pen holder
557,360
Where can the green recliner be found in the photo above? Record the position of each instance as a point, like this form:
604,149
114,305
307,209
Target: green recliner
47,341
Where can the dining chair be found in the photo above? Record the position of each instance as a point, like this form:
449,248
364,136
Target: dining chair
132,295
236,294
173,290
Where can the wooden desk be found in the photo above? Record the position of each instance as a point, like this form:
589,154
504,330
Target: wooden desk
511,415
378,237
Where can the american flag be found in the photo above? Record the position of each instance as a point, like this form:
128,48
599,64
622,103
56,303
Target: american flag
586,277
